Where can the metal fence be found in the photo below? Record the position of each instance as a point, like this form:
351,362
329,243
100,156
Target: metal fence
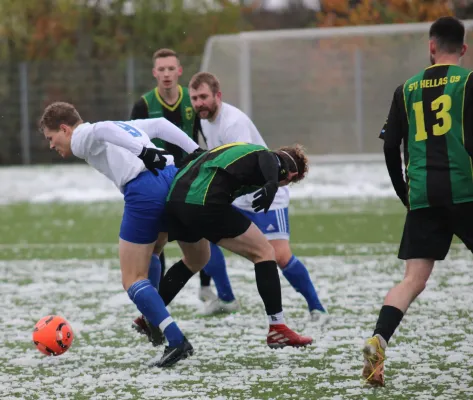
329,89
100,91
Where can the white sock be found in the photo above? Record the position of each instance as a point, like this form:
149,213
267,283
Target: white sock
382,341
276,319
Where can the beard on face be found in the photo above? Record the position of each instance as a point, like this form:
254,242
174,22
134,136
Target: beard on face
210,111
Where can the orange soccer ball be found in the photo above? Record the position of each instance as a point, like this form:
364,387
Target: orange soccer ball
52,335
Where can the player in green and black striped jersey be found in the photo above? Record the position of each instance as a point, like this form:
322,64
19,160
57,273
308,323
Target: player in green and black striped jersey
431,117
431,114
217,176
199,209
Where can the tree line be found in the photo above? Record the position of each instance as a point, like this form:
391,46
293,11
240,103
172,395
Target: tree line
113,29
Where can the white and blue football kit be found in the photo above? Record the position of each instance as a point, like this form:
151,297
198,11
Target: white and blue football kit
112,147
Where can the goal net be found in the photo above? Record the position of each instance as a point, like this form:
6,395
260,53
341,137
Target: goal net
327,88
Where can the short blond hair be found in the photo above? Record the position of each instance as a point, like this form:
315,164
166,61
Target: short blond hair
163,53
296,160
59,113
205,77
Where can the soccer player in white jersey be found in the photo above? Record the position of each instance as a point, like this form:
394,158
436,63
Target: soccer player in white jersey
123,152
221,124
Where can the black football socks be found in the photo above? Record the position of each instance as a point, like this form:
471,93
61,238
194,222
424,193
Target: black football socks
389,319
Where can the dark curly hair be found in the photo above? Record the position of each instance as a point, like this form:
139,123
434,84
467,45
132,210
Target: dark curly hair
296,160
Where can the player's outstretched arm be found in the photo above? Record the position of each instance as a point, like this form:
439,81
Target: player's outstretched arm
161,128
118,133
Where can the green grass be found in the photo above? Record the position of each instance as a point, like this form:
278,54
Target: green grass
81,230
62,258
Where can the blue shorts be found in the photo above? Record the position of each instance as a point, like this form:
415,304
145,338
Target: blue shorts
274,224
145,200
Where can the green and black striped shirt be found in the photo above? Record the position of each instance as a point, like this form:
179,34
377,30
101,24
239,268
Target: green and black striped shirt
431,114
221,175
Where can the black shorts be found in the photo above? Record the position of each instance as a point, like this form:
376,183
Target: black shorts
191,222
428,232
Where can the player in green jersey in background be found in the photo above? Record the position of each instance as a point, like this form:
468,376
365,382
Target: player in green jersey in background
431,116
169,100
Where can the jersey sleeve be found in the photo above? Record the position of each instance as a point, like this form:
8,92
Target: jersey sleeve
269,165
140,110
395,131
120,134
161,128
398,94
395,126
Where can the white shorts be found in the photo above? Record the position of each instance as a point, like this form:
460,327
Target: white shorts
274,224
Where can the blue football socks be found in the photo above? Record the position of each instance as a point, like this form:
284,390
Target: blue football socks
217,269
154,273
151,305
298,276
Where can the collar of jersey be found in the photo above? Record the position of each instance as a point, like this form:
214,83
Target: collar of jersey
440,65
166,105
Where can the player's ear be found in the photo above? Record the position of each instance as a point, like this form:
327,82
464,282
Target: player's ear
218,95
292,175
463,50
66,129
155,73
179,70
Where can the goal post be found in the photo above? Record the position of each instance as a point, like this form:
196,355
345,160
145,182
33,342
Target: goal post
327,88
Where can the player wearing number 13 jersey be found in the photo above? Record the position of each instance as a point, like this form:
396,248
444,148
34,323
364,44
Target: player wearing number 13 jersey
431,114
431,117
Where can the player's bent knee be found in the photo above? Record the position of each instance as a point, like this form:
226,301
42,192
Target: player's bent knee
196,256
195,265
196,261
264,252
282,252
283,259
